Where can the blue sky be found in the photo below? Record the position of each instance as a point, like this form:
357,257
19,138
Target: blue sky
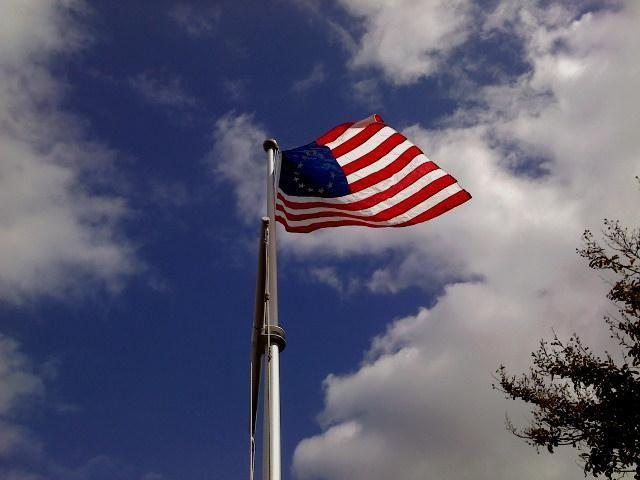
131,187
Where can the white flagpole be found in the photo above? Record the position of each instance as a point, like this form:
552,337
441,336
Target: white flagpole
271,468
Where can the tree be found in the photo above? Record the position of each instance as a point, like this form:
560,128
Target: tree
581,399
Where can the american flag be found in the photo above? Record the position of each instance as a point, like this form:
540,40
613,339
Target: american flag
362,173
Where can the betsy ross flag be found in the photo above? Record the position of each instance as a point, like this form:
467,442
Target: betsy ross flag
363,173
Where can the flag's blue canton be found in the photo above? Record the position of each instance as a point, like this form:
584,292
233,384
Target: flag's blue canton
311,171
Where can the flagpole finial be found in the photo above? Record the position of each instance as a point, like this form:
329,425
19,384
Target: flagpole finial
270,144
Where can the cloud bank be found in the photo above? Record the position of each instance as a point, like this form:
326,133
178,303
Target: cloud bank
406,39
545,155
234,158
56,236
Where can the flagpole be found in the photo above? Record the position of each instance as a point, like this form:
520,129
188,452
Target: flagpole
271,466
271,147
257,346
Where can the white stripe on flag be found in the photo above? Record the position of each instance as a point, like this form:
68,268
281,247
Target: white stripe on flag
385,204
366,147
367,192
399,219
381,163
348,134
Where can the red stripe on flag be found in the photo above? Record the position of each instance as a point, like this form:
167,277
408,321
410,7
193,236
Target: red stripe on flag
453,201
417,198
333,134
384,173
374,199
391,212
358,139
442,207
375,154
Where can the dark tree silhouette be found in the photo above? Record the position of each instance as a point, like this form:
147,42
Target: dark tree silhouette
581,399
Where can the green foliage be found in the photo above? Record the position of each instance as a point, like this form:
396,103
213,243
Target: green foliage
580,399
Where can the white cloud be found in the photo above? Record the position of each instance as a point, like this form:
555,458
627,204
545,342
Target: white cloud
23,455
195,21
330,277
20,385
237,157
316,76
407,39
367,92
57,238
420,405
15,474
163,92
236,89
55,235
32,29
17,377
